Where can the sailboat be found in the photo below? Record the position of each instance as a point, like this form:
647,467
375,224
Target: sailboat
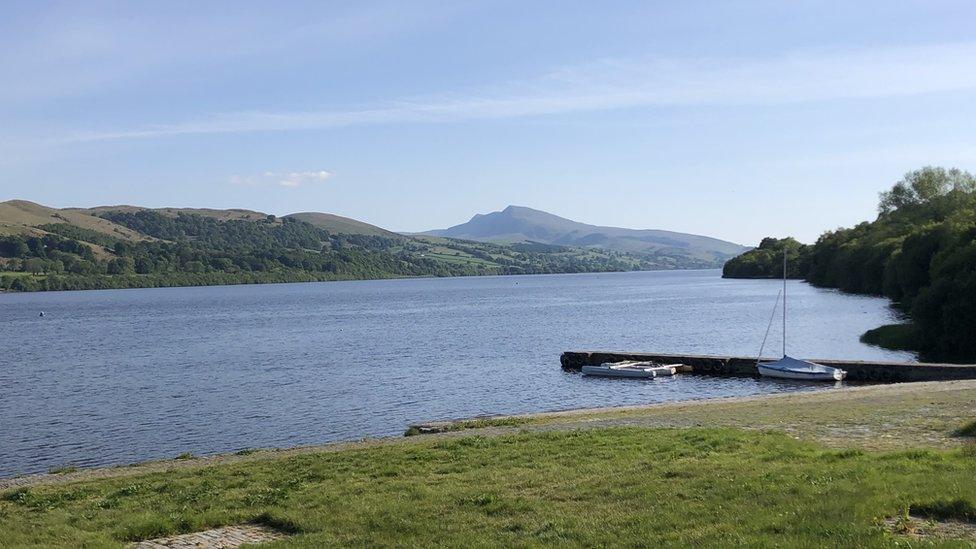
789,367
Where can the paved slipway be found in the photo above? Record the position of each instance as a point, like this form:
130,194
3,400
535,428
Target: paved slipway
876,417
218,538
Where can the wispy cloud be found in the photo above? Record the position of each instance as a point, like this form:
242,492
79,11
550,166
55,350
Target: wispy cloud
77,49
617,84
281,179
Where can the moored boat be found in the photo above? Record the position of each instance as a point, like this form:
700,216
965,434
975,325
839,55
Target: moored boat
630,368
621,369
789,367
792,368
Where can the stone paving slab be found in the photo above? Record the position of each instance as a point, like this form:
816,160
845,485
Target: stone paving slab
218,538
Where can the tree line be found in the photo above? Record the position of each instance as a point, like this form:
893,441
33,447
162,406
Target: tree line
190,249
920,252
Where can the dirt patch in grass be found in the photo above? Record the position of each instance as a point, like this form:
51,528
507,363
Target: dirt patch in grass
926,528
227,537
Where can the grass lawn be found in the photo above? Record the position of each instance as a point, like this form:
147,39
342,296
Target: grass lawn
898,337
606,486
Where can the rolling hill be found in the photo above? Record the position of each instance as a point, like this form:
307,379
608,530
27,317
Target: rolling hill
521,224
23,217
340,225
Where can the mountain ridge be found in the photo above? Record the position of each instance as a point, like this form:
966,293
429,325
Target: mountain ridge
524,224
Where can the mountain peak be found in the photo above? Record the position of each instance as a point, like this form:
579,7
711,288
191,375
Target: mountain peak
513,209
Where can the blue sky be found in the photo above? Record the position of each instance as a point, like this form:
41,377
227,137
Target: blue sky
732,119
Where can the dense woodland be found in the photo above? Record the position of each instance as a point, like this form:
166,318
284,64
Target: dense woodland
920,252
190,249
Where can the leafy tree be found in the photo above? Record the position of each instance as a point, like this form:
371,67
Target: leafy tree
766,261
924,185
34,265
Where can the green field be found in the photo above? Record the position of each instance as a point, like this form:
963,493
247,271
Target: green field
584,484
17,274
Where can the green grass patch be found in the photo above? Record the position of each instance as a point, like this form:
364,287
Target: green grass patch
19,274
942,509
897,337
598,487
489,422
477,423
62,470
451,258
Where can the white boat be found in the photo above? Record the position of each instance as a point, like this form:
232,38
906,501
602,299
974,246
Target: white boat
792,368
646,370
789,367
665,370
631,368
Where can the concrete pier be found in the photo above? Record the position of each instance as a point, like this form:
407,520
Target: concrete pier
857,370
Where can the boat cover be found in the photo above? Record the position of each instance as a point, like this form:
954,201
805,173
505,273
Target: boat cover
790,364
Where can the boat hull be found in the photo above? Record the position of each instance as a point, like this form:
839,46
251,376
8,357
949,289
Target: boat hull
605,371
790,368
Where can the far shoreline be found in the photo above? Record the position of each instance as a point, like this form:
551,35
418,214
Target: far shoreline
389,278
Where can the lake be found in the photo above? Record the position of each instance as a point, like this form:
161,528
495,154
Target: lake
116,376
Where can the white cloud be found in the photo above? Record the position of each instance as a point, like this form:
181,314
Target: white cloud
617,84
281,179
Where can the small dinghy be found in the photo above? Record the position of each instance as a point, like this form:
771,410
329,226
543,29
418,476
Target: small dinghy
630,368
792,368
789,367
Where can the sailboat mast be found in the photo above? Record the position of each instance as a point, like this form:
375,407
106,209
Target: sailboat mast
784,301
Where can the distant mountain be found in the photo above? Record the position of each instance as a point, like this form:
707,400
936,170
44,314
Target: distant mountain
521,224
340,225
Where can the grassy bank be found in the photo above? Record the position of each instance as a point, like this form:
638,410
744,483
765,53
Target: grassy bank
594,482
872,417
896,337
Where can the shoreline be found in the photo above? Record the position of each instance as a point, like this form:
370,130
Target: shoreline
343,279
686,413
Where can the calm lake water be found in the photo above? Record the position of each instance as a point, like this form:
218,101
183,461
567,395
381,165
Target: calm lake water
108,377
